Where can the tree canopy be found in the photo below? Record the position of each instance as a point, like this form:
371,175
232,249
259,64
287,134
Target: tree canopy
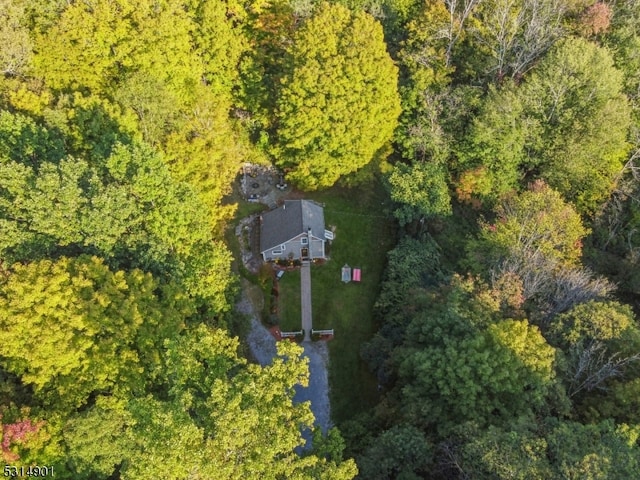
338,103
74,327
500,138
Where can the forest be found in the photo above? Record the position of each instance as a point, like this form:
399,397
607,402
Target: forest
505,137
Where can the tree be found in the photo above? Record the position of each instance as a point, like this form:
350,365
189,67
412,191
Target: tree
624,41
496,453
209,412
605,320
270,30
95,47
155,106
15,56
126,207
420,190
424,78
595,19
537,239
575,98
412,266
515,33
538,222
400,452
221,41
206,150
91,126
486,377
599,451
494,147
566,124
249,424
459,12
338,104
22,139
17,436
458,345
95,439
588,334
73,327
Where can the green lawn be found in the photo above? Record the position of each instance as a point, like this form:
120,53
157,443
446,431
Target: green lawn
289,301
363,236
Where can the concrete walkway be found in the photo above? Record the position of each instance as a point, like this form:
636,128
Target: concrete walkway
305,300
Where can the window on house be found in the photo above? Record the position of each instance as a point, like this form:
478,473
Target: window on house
304,240
279,251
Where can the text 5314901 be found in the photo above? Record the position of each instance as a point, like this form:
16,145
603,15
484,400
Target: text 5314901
32,471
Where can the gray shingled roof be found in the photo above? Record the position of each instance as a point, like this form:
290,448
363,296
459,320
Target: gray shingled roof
293,218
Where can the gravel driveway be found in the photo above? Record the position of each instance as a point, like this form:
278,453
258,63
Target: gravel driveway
263,348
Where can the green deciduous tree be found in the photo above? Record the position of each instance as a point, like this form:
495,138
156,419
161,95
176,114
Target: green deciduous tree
412,266
95,439
461,361
338,104
96,46
514,454
73,327
490,376
209,413
567,450
221,41
575,96
400,452
127,207
624,41
567,124
495,146
538,222
241,421
424,76
600,340
421,191
601,451
592,320
15,56
206,150
22,139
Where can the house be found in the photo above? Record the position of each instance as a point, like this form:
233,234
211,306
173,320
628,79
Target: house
293,231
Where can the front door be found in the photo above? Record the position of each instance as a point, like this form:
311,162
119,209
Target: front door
304,253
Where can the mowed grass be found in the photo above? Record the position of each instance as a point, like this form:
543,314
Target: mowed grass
289,301
363,236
